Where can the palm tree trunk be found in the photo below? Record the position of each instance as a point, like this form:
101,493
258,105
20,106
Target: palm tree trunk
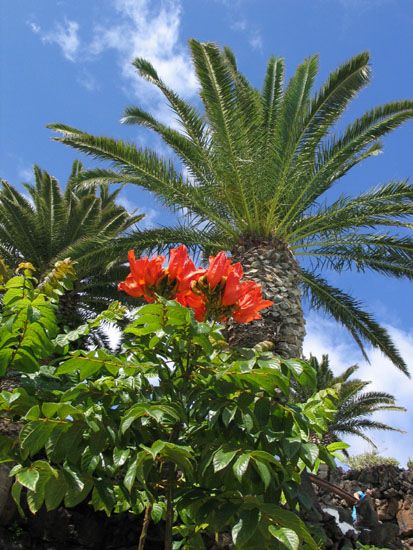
272,264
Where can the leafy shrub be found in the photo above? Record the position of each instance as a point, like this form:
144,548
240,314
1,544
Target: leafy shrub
410,464
177,426
369,460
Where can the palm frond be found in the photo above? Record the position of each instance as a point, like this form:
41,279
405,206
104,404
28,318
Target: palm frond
349,313
194,156
387,205
191,121
383,253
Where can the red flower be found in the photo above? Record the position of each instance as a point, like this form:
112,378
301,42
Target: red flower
216,292
195,302
144,276
180,264
250,303
232,289
223,293
218,267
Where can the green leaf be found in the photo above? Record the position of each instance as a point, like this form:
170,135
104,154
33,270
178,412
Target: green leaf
288,519
264,472
157,512
103,497
5,358
74,496
130,475
16,494
89,460
245,528
158,411
28,477
181,456
35,500
262,411
34,436
266,457
63,410
228,415
291,446
222,459
241,465
337,446
309,453
120,456
74,478
54,492
286,536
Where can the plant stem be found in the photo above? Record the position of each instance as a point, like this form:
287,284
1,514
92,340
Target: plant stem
146,520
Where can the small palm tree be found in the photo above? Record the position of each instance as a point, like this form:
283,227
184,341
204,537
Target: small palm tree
354,405
257,165
53,224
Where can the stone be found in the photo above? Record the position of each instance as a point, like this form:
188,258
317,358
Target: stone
405,518
387,509
5,485
7,506
408,543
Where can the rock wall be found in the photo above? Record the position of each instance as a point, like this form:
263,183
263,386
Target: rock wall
390,495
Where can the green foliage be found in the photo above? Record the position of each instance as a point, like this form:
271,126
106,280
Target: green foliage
410,464
371,459
28,321
257,165
177,423
354,405
89,227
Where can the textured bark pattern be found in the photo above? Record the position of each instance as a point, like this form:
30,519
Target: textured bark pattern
272,264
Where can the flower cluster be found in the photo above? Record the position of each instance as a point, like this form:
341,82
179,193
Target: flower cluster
217,292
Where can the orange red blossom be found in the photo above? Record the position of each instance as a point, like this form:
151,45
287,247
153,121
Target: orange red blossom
217,292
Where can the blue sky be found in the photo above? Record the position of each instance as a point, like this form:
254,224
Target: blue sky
69,61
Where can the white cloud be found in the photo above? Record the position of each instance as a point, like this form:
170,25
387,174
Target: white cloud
138,28
34,26
88,81
325,336
65,35
256,41
151,214
251,31
25,173
152,31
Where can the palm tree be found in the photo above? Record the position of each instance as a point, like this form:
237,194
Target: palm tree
256,167
354,405
53,224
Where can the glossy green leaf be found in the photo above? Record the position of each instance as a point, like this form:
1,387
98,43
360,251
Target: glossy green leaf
241,465
222,459
157,512
120,456
287,537
130,475
264,472
309,453
55,490
28,477
244,530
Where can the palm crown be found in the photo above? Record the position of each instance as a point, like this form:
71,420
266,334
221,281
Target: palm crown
354,405
256,166
54,224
